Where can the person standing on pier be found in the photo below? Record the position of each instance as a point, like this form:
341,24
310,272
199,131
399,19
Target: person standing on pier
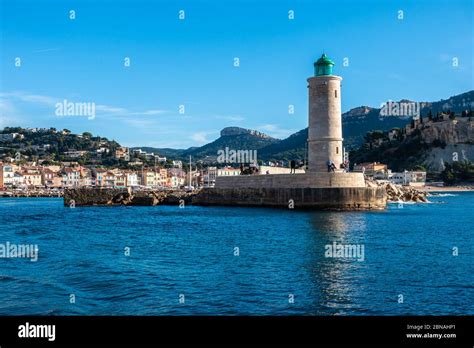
293,167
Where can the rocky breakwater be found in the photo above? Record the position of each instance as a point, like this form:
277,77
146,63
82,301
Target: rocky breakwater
113,197
398,193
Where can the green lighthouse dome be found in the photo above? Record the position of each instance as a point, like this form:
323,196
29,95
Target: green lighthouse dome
323,66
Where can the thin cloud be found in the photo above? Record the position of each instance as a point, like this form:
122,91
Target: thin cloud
275,131
8,114
201,137
30,98
102,109
53,49
233,118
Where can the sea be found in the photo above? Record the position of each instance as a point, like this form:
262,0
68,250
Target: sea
410,259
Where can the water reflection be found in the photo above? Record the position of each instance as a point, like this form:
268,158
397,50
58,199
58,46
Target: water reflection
336,280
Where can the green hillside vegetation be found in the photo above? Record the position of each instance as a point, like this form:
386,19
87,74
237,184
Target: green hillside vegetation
458,172
32,146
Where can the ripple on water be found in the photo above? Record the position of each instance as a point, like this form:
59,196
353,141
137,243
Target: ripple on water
191,252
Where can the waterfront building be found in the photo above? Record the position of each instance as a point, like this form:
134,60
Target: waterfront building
18,180
150,178
47,177
6,175
163,177
176,181
371,169
228,171
109,179
71,177
176,177
98,176
120,180
131,179
209,176
32,179
85,179
406,178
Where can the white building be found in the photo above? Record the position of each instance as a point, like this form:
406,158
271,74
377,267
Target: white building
160,159
209,176
10,136
71,177
176,181
132,179
8,174
18,180
407,178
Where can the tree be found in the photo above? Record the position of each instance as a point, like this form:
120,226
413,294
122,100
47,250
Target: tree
419,168
462,171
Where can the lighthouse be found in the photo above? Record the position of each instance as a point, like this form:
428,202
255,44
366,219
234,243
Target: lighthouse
317,187
325,121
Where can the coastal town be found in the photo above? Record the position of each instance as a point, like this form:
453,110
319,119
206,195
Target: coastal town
37,175
31,175
46,161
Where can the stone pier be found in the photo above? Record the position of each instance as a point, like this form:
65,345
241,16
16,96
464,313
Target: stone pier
329,198
322,191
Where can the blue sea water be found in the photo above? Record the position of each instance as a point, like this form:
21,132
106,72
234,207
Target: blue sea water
408,251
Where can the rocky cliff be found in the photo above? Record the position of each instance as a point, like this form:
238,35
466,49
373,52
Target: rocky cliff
451,132
231,131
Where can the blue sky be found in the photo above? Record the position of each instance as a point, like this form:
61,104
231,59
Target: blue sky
190,62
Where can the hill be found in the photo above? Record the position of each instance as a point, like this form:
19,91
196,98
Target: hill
232,137
51,144
356,123
427,144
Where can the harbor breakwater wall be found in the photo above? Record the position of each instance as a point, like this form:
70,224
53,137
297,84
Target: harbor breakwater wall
312,190
109,196
326,198
355,198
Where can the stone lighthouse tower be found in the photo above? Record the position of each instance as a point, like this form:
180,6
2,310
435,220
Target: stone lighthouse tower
325,121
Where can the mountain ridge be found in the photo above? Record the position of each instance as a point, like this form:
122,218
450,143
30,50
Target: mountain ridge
356,123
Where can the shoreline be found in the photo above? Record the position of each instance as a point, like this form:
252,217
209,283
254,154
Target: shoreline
460,188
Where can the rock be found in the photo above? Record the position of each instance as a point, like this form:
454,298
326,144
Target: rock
99,196
399,193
